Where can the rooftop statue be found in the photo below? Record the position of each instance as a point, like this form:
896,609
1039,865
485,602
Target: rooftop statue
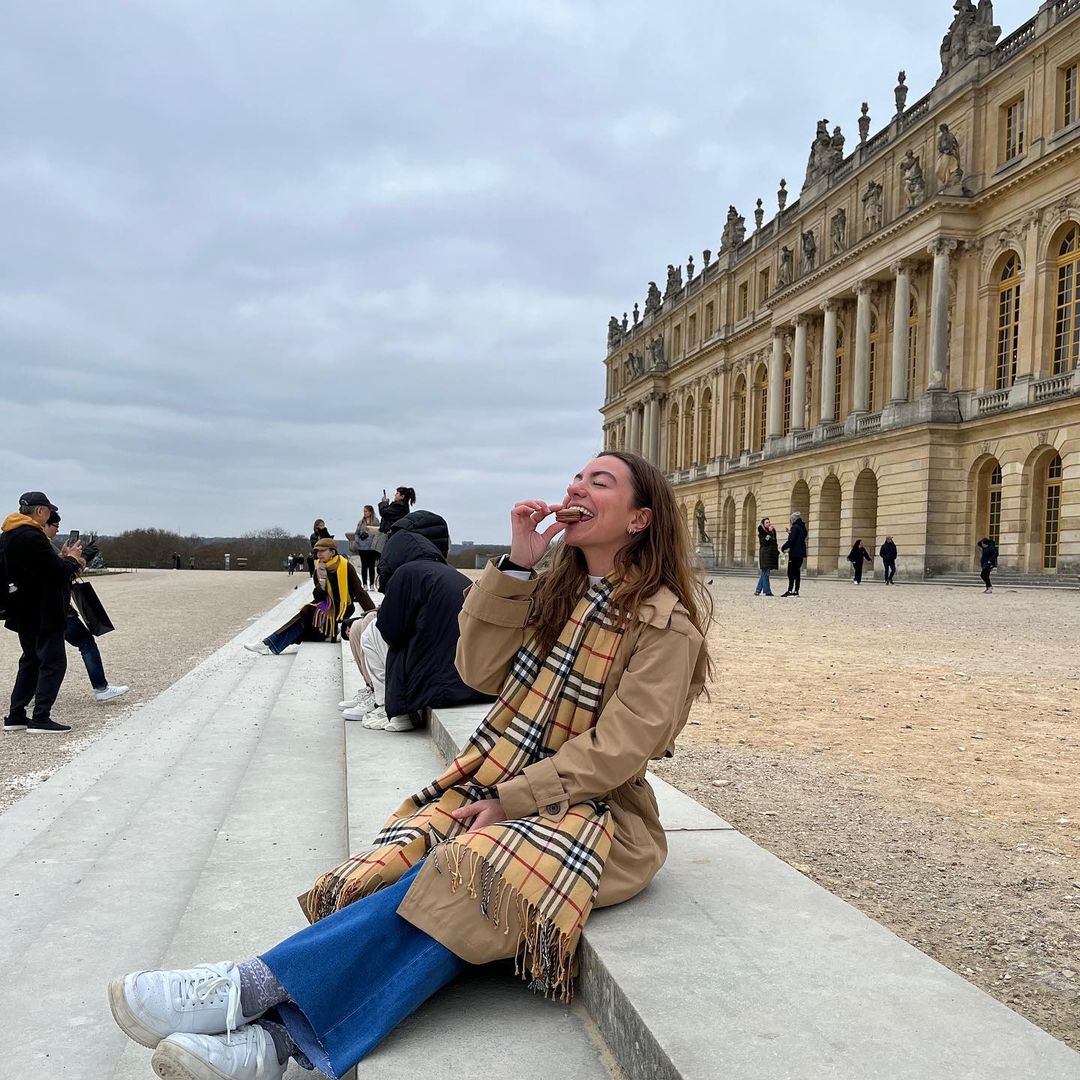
972,34
734,229
820,155
652,299
674,280
614,334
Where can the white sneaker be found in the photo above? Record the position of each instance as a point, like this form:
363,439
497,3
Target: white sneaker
376,720
259,647
248,1054
359,712
362,697
399,723
148,1006
110,692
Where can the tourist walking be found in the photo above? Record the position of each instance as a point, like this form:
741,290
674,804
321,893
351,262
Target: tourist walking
768,556
887,551
36,582
504,856
795,546
78,635
857,556
988,558
364,539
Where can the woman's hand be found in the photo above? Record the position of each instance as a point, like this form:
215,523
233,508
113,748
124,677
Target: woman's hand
483,812
527,546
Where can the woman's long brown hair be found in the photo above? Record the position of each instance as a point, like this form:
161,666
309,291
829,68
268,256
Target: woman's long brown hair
659,555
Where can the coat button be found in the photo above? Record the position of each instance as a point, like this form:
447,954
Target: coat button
552,808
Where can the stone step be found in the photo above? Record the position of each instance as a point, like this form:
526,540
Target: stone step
734,964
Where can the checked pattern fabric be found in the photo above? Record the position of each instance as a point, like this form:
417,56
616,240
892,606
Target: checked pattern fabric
547,871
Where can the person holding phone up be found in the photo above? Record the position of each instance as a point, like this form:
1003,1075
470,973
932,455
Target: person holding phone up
37,581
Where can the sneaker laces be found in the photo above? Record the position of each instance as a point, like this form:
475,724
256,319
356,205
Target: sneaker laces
202,988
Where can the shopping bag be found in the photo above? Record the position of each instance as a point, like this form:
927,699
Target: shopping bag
90,608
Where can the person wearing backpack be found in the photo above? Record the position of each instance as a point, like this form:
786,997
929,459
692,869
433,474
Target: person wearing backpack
37,581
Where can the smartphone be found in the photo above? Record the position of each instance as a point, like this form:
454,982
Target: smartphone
73,537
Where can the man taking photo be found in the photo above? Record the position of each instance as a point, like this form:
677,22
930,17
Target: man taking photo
38,580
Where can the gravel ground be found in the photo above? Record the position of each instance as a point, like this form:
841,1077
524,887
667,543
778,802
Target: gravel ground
916,751
166,622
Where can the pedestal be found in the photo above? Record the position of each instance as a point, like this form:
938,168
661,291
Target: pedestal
706,554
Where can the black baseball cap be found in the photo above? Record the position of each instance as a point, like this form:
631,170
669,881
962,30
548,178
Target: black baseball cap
54,519
35,498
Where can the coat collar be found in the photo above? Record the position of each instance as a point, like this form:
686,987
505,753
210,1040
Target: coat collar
656,611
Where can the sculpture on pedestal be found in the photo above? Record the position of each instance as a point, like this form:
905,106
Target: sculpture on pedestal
625,324
656,351
699,517
787,267
652,299
901,92
972,34
839,231
781,195
614,334
949,171
820,153
637,313
734,229
914,181
674,280
873,210
809,251
864,122
636,363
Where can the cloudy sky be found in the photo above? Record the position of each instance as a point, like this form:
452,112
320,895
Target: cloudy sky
262,259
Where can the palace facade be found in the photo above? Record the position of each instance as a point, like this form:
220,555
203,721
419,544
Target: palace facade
897,351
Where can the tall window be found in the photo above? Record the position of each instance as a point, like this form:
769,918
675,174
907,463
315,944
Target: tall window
839,371
871,372
705,437
691,332
1067,314
709,320
1013,130
688,433
993,515
1008,327
787,395
913,346
744,300
740,416
676,340
1052,514
1068,112
763,286
673,438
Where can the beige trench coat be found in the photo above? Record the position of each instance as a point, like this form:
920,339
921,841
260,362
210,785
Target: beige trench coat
657,672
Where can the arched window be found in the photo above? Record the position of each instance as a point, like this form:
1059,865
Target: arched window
673,437
740,416
787,396
839,372
705,436
993,510
688,433
913,346
871,372
1008,324
1067,313
1052,514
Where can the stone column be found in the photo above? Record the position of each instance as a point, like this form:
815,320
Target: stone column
635,429
937,376
860,387
774,420
798,375
828,362
651,423
901,333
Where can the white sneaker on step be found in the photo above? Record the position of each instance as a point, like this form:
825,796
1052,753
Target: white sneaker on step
376,720
259,647
148,1006
110,692
362,697
400,723
248,1054
360,712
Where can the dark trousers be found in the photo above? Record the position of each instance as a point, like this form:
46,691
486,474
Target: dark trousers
41,671
301,627
76,634
890,571
984,573
857,567
368,561
794,573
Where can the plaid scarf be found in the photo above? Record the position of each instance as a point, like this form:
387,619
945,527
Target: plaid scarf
548,870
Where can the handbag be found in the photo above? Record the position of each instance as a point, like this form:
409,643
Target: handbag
378,541
91,608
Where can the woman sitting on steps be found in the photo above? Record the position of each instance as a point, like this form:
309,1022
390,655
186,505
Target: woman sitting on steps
596,663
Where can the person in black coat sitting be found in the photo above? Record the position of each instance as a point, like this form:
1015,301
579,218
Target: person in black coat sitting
888,559
409,648
795,546
857,556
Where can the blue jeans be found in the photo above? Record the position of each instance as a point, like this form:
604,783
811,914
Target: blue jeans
355,975
76,634
763,584
290,634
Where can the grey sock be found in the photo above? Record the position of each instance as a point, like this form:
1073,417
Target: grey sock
259,989
283,1043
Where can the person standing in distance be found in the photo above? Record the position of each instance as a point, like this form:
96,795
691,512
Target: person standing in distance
988,557
39,580
768,556
795,546
888,559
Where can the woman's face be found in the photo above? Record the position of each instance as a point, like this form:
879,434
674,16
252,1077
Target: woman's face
768,524
604,490
326,554
399,495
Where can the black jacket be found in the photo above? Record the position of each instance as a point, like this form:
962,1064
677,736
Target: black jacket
418,619
391,512
988,556
858,552
888,551
768,552
42,581
795,545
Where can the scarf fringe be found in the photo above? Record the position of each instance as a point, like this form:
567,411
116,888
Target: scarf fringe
544,955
